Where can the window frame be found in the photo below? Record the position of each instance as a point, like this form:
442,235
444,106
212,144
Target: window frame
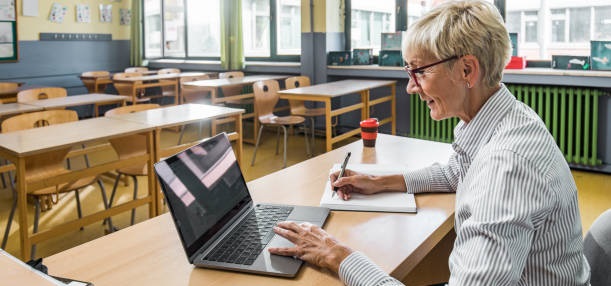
273,40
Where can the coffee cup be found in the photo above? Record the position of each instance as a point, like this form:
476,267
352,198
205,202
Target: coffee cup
369,131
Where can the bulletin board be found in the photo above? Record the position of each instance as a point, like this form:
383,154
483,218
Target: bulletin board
8,31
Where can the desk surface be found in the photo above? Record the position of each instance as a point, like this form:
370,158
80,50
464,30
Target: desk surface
150,253
178,114
78,100
232,81
53,137
159,76
15,272
17,108
337,88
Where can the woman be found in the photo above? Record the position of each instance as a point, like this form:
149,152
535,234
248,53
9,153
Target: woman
516,214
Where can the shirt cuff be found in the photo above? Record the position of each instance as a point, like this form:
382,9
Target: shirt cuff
357,269
418,181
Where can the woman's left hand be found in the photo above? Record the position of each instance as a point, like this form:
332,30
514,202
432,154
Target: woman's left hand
312,244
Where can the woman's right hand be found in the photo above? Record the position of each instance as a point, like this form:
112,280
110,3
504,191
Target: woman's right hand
354,182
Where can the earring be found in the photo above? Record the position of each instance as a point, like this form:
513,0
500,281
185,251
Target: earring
468,85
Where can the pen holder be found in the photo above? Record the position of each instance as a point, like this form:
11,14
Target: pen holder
369,131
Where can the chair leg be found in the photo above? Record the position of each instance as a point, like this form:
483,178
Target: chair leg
307,140
106,205
9,222
277,139
35,230
135,197
78,205
285,139
182,132
254,155
112,194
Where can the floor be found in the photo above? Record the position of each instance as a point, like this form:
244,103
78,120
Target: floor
594,197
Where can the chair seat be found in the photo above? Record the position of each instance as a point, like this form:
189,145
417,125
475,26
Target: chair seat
281,120
134,170
309,112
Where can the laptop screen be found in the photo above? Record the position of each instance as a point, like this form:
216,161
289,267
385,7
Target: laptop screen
204,188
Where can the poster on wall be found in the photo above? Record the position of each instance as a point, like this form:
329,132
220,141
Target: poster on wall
83,14
58,12
105,13
126,16
8,32
7,10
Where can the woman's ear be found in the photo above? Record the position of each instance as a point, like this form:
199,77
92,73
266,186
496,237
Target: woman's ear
471,70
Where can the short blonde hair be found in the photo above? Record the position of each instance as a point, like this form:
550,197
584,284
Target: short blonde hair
459,28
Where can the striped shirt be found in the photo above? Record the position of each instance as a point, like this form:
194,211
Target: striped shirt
516,218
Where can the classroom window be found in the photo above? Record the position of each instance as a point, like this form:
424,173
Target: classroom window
182,29
203,28
271,30
566,27
369,19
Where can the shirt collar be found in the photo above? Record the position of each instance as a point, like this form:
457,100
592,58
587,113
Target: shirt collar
470,137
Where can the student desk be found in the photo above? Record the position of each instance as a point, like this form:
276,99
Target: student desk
150,253
15,272
179,115
156,80
213,86
79,100
9,109
19,145
327,91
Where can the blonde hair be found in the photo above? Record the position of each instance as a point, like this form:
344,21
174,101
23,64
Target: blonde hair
459,28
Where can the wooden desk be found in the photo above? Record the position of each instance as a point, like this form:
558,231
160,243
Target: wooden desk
156,80
9,109
150,253
15,272
79,100
327,91
19,145
213,86
98,81
178,115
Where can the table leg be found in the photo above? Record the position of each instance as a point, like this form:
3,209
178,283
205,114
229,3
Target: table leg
22,210
238,129
393,108
328,125
365,101
153,146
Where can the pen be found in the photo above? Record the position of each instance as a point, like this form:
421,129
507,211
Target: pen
341,171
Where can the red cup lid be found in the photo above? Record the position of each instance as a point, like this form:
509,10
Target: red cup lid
371,122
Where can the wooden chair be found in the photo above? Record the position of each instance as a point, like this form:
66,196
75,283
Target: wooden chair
47,165
233,90
298,106
8,91
129,146
124,88
136,69
190,94
41,93
96,82
168,90
266,98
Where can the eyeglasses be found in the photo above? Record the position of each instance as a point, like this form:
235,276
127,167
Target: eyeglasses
414,73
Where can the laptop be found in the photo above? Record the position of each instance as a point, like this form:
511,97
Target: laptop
219,225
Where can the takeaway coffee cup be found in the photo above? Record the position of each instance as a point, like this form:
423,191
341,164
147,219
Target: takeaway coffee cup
369,131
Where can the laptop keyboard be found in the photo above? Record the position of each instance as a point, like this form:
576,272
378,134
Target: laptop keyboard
249,238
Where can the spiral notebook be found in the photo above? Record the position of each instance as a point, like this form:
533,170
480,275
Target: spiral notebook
381,202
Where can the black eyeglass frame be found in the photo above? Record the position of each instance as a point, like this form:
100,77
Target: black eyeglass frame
412,72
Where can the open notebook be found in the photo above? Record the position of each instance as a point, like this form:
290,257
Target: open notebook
381,202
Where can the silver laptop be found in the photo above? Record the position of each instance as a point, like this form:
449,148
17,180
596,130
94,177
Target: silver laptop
218,223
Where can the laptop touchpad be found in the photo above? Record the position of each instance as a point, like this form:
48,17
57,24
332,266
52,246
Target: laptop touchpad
279,241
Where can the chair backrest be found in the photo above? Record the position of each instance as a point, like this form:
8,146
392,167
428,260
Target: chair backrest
38,119
295,82
10,86
92,84
192,94
266,97
132,145
168,71
234,89
41,93
136,69
131,108
124,88
597,249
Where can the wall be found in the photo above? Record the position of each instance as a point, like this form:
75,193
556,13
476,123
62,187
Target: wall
58,63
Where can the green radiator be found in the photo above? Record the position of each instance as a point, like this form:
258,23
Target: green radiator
570,114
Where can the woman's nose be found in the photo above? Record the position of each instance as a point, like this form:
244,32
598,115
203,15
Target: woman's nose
411,87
